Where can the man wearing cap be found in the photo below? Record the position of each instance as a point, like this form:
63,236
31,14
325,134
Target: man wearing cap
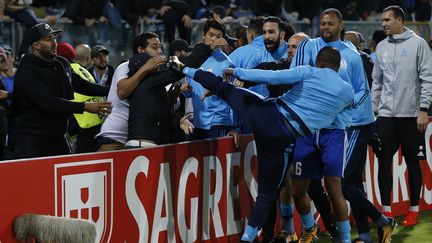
101,71
44,84
179,48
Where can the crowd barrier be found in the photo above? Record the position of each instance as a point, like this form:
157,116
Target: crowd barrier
188,192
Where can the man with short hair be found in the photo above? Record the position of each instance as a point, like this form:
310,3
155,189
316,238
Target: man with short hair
44,84
101,70
338,158
402,95
83,55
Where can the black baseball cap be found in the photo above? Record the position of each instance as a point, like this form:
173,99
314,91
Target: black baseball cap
179,45
230,40
38,32
99,48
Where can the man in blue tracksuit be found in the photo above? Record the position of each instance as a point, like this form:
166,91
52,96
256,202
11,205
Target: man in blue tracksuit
317,96
360,130
242,55
212,117
272,48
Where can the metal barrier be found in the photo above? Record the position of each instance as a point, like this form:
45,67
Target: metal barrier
119,42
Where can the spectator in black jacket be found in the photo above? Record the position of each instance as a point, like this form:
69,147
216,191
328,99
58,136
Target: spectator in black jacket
101,70
150,112
44,84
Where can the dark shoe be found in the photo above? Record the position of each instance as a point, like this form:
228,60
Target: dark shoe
308,236
385,232
285,237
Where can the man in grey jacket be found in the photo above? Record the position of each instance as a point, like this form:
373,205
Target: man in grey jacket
402,94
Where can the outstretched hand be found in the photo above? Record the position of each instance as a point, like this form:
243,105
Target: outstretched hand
176,64
186,125
100,108
228,72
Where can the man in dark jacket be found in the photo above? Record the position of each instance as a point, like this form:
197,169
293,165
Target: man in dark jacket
150,112
44,84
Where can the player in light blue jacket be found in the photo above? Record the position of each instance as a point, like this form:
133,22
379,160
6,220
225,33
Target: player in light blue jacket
359,130
318,95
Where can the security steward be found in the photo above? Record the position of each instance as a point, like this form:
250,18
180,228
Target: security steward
44,86
86,125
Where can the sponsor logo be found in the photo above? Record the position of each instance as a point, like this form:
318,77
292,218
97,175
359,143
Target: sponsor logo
84,190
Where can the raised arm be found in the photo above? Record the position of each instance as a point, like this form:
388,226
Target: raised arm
287,76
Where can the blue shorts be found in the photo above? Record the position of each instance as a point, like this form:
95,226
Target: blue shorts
322,154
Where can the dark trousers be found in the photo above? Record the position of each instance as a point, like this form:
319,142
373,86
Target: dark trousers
3,133
86,141
272,139
352,183
30,146
171,19
395,131
24,16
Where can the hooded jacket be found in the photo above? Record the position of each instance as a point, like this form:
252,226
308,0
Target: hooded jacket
42,92
402,76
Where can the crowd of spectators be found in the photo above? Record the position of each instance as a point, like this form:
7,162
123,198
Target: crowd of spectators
92,12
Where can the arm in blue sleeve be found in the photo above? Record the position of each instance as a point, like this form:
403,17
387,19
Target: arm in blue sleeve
190,72
359,81
287,76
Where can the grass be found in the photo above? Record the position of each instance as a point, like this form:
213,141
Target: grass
421,233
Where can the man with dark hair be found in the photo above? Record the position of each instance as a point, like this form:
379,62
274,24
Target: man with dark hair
276,123
377,37
44,84
242,55
402,95
212,117
101,71
114,130
179,48
240,33
356,125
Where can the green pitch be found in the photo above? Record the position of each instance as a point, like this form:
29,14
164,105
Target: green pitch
421,233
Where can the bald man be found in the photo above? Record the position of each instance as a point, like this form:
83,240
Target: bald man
83,55
355,38
293,42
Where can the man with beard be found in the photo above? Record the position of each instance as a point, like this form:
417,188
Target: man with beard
275,48
101,71
44,84
330,151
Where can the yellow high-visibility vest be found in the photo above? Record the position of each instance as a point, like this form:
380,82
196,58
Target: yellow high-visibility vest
86,120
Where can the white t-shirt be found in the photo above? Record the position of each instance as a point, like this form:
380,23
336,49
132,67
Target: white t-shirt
115,125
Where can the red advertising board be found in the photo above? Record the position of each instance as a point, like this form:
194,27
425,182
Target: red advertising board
189,192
